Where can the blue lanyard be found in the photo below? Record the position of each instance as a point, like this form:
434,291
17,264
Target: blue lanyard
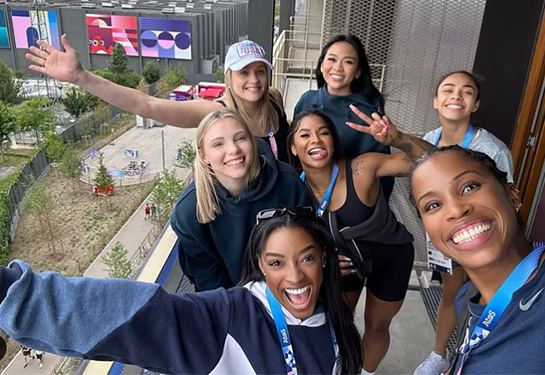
325,200
467,138
285,340
496,307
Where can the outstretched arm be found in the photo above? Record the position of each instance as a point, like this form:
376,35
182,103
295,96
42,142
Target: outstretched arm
65,66
384,131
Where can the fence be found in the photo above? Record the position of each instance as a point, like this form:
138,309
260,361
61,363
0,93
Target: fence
31,172
35,168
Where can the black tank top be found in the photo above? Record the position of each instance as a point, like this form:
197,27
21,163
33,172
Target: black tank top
353,211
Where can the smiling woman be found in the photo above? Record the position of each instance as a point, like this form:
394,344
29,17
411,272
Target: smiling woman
470,212
376,250
247,90
292,320
236,176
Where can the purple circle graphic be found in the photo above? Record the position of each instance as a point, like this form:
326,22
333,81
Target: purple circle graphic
149,39
166,40
183,41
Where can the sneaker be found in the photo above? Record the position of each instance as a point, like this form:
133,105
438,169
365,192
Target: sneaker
433,365
41,365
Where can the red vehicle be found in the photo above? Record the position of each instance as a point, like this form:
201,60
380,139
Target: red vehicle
210,90
108,191
182,92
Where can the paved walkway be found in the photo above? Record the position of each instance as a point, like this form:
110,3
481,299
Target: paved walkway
133,233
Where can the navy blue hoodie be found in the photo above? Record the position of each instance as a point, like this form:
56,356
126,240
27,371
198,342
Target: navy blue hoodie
211,254
353,143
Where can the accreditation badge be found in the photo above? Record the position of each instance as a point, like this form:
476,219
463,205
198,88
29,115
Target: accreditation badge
436,259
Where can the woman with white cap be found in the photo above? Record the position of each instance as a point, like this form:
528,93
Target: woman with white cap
247,90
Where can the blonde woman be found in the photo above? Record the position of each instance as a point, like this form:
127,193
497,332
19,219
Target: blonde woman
247,90
236,176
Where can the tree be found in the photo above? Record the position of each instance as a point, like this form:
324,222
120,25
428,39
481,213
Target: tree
70,164
119,61
10,87
54,146
151,72
34,115
103,179
173,77
118,264
165,195
76,102
41,204
218,73
186,154
7,125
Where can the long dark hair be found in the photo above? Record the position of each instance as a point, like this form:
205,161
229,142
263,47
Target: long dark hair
294,127
364,83
342,320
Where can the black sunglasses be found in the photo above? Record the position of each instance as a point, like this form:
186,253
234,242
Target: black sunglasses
271,213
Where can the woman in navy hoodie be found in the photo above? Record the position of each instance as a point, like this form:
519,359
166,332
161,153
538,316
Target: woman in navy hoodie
291,291
344,78
236,176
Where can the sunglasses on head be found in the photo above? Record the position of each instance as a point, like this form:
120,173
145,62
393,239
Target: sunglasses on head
271,213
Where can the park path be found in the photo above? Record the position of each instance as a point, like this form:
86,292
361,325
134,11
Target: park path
132,234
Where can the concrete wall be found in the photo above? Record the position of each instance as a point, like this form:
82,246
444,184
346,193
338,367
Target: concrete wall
213,28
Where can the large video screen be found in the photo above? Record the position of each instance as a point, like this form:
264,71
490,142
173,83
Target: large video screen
31,25
4,39
105,30
166,38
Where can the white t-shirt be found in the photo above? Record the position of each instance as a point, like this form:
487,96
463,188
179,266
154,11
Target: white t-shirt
486,143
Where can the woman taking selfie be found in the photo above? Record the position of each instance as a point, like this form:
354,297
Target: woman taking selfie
471,214
291,297
457,97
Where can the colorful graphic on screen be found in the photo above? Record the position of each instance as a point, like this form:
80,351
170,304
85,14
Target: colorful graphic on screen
168,38
26,25
4,38
105,30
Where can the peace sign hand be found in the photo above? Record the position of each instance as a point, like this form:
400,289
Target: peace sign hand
380,127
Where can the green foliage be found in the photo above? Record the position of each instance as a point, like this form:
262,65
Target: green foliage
70,162
119,61
41,204
5,222
10,87
54,147
174,77
218,73
165,195
186,154
129,78
76,102
102,179
7,124
34,115
151,72
118,264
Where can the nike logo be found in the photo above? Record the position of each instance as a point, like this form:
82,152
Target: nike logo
526,306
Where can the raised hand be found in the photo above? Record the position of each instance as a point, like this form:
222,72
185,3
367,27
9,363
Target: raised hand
64,66
380,127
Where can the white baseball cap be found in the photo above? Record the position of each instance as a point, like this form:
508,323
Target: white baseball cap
243,53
